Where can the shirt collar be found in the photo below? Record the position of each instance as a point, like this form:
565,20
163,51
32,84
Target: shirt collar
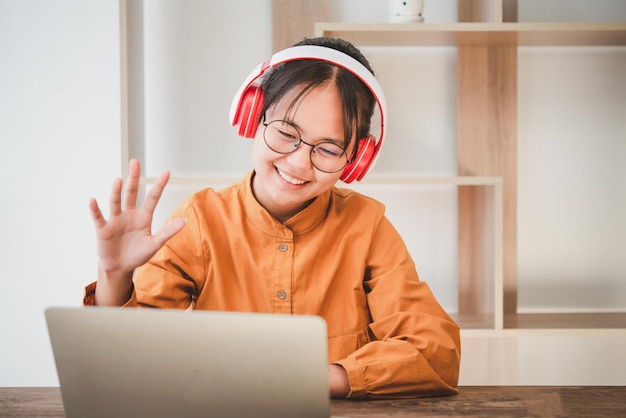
301,223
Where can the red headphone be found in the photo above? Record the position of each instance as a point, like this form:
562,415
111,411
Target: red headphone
247,105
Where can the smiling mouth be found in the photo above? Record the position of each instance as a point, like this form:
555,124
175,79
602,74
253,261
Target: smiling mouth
290,179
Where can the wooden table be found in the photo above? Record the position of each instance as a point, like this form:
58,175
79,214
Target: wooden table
473,401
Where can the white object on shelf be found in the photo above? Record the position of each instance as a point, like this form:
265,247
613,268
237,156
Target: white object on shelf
405,11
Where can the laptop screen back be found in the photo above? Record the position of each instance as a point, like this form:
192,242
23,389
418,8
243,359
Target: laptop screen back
165,363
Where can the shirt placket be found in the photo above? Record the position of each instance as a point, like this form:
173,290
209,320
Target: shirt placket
281,292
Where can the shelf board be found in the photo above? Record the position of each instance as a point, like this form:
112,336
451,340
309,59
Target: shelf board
561,324
432,180
201,181
474,322
476,34
606,324
542,332
369,180
603,320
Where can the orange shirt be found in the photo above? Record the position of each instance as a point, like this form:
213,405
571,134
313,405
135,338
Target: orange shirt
340,258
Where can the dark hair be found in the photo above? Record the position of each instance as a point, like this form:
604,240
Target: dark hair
356,98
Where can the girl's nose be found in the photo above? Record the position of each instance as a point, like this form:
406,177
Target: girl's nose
301,157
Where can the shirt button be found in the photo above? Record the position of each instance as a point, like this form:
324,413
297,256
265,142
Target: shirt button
282,294
282,247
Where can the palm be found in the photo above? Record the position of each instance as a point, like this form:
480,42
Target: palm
125,240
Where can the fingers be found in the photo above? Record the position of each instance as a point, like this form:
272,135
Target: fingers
132,191
115,200
152,199
132,184
168,230
96,213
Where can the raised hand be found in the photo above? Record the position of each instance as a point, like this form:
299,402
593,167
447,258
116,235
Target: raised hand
125,240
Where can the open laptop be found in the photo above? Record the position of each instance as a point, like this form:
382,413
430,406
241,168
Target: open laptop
119,362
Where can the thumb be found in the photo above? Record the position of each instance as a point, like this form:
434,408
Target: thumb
168,230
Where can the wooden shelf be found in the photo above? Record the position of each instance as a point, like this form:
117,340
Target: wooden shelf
369,180
613,323
606,320
485,313
482,321
195,180
477,34
545,324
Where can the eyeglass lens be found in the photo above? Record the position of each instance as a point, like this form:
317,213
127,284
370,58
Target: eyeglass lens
283,138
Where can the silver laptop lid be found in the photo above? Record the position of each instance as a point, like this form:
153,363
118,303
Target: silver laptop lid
117,362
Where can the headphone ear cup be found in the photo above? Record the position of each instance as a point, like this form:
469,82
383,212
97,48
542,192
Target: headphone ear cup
249,111
357,169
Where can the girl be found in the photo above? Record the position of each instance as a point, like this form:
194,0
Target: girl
286,240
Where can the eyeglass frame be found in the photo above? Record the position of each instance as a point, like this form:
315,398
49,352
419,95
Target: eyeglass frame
302,141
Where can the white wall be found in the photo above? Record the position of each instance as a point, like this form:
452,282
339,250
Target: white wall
60,139
572,179
60,144
572,167
59,135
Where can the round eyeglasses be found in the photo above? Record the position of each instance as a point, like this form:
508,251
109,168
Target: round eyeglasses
282,137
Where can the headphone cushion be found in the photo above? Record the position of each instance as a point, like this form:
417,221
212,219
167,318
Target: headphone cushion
357,169
249,111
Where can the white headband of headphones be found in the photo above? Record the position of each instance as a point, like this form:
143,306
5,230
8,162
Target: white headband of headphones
322,53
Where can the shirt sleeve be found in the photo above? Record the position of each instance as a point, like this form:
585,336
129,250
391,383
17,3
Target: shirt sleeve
414,347
175,275
89,296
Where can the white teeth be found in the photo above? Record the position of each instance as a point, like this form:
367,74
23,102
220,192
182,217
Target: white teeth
290,179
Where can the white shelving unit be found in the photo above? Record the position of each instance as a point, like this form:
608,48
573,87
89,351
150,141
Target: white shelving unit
492,339
480,35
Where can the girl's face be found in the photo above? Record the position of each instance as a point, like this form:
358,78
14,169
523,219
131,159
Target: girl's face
285,184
